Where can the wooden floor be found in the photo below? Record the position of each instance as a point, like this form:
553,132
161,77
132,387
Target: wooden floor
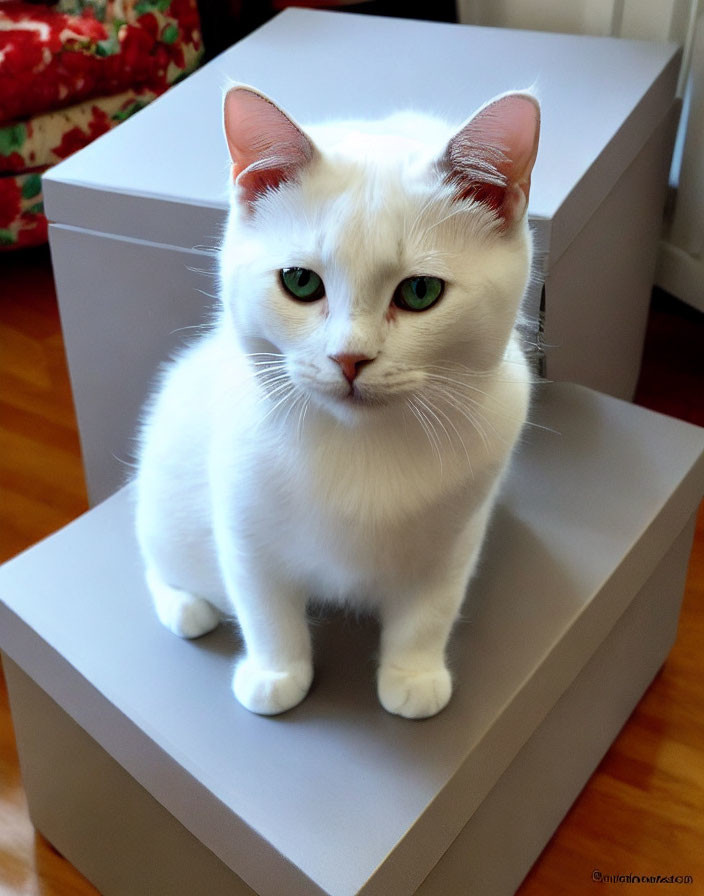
641,813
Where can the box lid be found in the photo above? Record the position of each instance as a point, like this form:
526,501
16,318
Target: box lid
337,796
161,176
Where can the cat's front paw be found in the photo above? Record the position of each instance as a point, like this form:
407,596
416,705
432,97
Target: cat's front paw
271,691
415,693
185,614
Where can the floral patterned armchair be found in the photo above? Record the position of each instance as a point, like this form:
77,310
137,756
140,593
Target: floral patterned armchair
71,71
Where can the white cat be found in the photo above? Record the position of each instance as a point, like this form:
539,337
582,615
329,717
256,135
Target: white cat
341,432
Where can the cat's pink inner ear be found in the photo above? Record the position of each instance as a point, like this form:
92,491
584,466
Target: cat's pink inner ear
491,158
266,146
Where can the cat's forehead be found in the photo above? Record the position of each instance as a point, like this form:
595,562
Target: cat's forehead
368,215
365,223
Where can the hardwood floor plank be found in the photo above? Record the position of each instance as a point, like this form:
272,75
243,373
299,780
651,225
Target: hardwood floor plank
25,358
32,423
41,469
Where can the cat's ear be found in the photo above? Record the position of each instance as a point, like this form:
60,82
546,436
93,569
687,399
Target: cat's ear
266,146
491,157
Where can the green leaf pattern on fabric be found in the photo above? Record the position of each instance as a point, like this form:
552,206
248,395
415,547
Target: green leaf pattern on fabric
170,34
12,138
151,6
98,8
123,114
32,186
111,45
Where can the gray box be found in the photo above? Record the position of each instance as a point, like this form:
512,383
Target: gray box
136,213
141,768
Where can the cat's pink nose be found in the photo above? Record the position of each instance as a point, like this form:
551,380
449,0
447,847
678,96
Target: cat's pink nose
351,364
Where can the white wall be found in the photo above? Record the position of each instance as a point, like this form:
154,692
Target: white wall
681,262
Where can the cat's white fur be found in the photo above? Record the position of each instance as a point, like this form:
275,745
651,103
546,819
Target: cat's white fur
263,482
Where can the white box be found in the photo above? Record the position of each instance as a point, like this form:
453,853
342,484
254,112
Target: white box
143,770
133,211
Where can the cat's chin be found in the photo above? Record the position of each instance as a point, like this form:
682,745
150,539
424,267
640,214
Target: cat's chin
353,406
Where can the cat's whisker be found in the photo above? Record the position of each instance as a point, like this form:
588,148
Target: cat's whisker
256,359
463,405
282,384
461,440
265,374
270,382
275,364
471,378
492,403
273,377
458,387
449,381
421,419
531,425
301,417
209,250
202,327
427,429
487,406
473,420
205,271
264,361
299,396
458,434
469,403
289,390
462,370
430,412
270,378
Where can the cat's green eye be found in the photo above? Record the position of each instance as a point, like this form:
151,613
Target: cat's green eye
302,284
418,293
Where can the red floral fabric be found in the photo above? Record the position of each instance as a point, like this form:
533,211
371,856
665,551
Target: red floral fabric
71,71
22,220
50,59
